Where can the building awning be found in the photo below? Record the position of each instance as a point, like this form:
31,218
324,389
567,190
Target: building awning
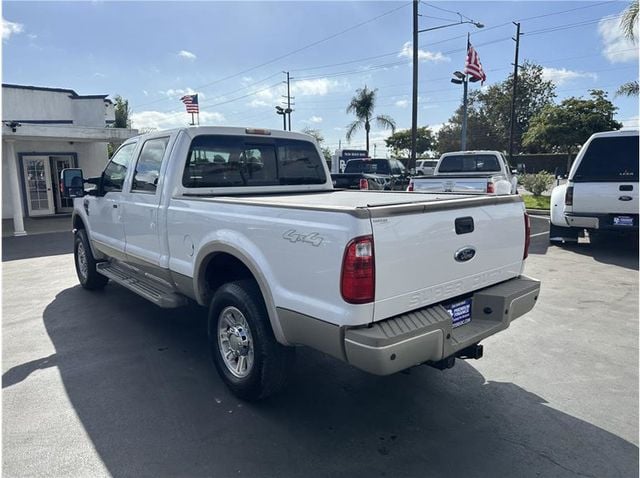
36,132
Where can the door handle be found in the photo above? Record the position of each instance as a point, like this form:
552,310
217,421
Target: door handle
626,187
115,206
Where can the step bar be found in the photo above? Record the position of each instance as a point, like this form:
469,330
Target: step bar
142,285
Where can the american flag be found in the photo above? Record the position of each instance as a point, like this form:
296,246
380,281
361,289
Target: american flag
191,102
472,65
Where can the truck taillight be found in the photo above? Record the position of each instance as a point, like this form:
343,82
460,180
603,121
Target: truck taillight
491,188
527,235
568,196
364,184
410,187
358,278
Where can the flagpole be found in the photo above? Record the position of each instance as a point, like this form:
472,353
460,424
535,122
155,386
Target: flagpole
192,122
463,139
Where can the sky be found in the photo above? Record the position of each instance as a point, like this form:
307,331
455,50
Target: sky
233,54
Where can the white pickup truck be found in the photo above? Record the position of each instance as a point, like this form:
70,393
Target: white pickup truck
601,193
468,172
246,222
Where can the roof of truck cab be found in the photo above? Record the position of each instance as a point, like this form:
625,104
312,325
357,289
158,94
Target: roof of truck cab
619,132
193,131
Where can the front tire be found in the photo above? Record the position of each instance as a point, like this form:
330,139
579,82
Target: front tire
243,348
88,276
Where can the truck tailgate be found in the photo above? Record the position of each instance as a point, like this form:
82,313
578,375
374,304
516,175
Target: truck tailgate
444,184
606,197
415,251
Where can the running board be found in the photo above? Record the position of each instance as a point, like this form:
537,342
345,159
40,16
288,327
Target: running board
143,286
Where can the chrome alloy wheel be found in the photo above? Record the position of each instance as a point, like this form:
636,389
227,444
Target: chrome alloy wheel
83,266
235,342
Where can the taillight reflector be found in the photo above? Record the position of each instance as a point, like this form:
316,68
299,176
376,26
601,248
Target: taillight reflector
491,188
568,196
364,184
358,278
527,235
410,187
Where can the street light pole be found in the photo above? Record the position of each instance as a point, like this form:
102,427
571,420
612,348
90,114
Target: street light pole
414,104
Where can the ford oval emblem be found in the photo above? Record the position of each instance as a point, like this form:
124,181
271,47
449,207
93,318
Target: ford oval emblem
465,254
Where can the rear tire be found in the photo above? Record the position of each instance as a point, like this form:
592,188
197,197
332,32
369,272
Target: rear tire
243,348
560,236
88,276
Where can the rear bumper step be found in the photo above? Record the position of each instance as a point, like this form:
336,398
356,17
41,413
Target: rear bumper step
427,335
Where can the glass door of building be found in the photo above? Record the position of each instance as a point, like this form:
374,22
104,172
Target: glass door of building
37,178
58,163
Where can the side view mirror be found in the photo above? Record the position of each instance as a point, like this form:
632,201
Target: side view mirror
71,183
514,171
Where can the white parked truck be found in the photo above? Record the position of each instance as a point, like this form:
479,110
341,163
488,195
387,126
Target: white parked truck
468,172
246,222
601,193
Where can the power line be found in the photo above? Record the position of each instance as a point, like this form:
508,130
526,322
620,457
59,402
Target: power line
305,47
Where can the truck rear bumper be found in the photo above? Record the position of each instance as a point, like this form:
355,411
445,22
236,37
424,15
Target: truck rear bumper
427,335
601,221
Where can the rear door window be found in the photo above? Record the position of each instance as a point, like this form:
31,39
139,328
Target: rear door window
609,159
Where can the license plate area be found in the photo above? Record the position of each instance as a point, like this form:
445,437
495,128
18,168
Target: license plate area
623,221
460,312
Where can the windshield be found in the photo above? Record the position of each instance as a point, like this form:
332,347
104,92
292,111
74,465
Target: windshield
609,159
371,166
467,163
236,161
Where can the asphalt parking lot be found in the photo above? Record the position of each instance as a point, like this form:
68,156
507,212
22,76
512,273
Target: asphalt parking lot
106,384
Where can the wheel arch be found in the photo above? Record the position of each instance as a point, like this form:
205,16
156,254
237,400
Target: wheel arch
557,206
219,263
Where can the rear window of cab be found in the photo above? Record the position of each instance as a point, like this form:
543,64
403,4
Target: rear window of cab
609,159
236,161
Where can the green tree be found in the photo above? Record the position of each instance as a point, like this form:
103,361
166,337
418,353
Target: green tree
363,106
489,112
629,25
565,127
400,142
122,113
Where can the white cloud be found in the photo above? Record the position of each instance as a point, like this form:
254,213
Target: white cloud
172,119
317,87
315,119
258,103
180,92
145,92
616,47
402,103
423,55
10,28
187,55
97,74
561,76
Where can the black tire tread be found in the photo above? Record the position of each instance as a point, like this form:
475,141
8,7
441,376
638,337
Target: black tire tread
95,280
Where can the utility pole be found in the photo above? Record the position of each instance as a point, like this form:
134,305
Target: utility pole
414,103
465,84
288,110
513,94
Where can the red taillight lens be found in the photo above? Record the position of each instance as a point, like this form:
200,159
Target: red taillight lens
364,184
410,187
491,188
358,278
568,196
527,235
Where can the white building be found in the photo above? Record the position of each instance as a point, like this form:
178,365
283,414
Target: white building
45,130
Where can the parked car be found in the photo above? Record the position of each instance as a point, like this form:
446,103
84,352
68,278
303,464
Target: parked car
479,172
426,167
601,193
281,258
391,171
375,182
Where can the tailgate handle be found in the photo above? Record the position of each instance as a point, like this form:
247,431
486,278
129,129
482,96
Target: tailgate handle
626,187
464,225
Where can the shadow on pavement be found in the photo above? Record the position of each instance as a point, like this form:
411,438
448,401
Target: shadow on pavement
140,381
615,250
37,245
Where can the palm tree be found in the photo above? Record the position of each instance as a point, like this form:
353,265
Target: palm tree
362,105
629,22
